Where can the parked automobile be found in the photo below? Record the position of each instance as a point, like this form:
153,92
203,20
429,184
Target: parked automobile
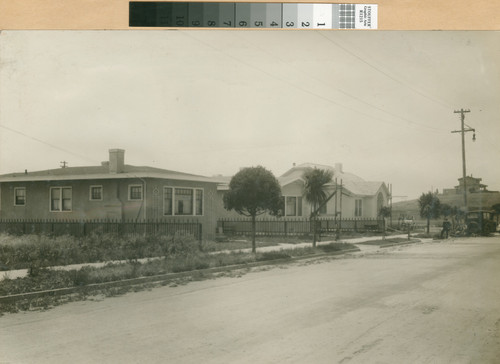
481,222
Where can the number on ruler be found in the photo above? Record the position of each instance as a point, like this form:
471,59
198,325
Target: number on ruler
289,23
259,24
180,21
305,24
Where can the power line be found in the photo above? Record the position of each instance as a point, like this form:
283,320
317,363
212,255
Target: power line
318,95
385,73
45,143
353,96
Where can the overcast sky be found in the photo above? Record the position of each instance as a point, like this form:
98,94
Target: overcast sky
210,102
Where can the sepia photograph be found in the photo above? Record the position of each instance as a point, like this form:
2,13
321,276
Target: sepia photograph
244,196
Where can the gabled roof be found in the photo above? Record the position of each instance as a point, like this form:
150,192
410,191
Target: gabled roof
351,182
100,172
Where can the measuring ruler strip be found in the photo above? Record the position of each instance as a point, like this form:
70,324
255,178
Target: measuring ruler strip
252,15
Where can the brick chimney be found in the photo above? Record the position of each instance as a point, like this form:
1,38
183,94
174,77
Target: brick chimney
116,161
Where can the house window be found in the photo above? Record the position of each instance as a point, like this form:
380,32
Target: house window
380,201
293,206
135,192
20,196
168,200
322,210
199,202
60,198
182,201
95,193
358,208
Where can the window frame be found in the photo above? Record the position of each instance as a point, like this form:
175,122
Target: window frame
90,192
298,206
60,188
15,196
358,207
173,200
129,194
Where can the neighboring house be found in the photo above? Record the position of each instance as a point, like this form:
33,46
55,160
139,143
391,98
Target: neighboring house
473,185
360,198
113,191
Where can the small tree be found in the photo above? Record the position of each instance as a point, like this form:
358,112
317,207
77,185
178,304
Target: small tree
315,181
430,207
385,211
252,192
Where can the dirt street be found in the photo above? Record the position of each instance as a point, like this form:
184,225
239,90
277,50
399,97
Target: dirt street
424,303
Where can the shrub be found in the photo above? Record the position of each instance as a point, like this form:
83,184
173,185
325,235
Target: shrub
335,247
38,251
273,255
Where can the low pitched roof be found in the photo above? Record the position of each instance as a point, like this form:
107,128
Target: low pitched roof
100,172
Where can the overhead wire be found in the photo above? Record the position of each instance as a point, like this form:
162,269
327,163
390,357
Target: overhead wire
433,99
319,95
45,143
353,96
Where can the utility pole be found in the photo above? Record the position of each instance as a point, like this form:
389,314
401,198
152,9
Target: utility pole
336,212
463,131
341,193
390,204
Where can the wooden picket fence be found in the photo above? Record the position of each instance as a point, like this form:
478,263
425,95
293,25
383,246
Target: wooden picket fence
87,227
294,227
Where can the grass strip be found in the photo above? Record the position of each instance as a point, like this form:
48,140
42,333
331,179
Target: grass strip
49,285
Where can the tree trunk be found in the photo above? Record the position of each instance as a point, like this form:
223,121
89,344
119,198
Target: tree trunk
313,221
428,224
254,248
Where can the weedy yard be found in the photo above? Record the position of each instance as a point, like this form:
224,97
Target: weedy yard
43,256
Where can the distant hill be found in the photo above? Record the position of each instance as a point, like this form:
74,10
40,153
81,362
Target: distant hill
481,200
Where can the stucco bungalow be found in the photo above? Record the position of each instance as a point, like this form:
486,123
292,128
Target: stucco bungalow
360,198
113,190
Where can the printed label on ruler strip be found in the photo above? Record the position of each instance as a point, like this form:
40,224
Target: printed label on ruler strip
366,16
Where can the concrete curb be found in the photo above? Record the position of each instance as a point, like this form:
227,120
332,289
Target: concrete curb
401,243
160,278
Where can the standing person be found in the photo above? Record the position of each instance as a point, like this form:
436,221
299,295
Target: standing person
446,228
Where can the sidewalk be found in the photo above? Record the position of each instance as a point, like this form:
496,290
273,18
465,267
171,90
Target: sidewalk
20,273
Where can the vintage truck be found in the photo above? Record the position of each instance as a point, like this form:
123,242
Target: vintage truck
480,222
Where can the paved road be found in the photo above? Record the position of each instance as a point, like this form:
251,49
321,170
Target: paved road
423,303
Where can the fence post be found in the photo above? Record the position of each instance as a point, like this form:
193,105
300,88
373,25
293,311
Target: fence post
200,232
286,228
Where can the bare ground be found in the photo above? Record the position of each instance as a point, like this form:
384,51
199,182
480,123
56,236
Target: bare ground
423,303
